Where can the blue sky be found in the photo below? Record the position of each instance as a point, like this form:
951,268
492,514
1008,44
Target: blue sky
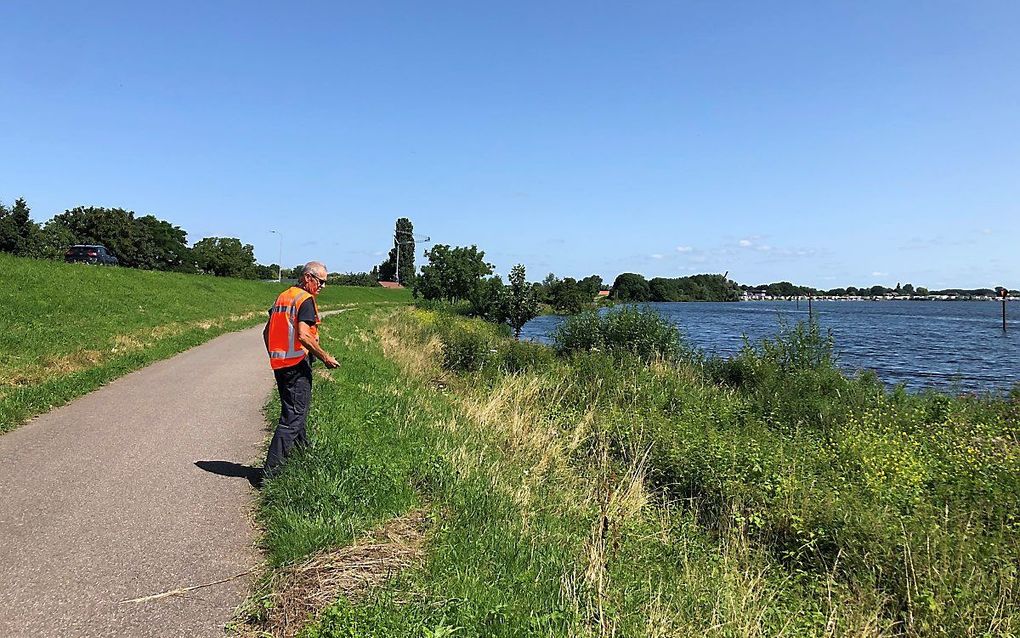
823,143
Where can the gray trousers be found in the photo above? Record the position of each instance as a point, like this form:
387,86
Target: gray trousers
295,386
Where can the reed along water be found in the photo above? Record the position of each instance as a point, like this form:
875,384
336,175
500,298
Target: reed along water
951,346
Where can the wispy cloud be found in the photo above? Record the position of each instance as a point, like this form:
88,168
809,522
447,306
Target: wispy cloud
877,273
656,256
939,241
684,249
746,243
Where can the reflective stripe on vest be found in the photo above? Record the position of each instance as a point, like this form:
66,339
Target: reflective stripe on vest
283,354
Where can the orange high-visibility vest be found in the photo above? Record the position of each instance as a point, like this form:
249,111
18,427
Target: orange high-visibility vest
284,348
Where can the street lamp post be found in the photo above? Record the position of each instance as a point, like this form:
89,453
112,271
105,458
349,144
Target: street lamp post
279,271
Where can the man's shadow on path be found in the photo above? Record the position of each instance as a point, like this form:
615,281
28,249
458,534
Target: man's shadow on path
229,468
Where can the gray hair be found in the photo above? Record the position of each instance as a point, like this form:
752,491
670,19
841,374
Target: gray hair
314,268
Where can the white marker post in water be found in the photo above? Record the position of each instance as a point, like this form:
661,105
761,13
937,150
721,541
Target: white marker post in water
1002,295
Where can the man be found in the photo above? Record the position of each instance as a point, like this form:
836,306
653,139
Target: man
292,337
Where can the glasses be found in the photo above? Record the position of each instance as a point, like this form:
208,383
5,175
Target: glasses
322,282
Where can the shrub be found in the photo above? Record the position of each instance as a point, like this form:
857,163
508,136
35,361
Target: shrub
792,380
465,351
636,331
522,356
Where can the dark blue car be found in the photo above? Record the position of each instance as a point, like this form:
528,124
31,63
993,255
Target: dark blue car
89,254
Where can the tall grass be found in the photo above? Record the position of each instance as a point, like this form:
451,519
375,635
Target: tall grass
616,491
68,328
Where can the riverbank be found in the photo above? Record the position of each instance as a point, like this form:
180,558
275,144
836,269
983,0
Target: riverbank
599,494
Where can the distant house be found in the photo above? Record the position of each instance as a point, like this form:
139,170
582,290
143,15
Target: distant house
602,293
390,284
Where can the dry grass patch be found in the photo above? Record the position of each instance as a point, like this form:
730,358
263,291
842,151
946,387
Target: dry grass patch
49,366
416,358
58,365
300,593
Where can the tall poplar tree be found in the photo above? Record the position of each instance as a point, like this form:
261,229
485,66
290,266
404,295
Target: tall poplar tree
403,239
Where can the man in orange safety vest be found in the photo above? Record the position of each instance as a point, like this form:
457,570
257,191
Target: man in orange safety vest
292,338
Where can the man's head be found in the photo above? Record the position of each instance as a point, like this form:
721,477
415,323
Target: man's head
313,277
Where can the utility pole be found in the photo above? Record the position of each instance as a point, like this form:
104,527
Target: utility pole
279,264
397,243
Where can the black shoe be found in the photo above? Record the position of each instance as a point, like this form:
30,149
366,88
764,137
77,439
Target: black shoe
257,477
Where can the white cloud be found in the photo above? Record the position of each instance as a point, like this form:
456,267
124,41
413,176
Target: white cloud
684,249
656,256
879,274
745,243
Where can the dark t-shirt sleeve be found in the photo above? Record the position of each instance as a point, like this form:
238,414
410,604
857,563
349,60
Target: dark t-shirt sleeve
306,312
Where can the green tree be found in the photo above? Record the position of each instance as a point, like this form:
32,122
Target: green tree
486,297
225,257
567,295
54,240
267,272
403,239
922,291
352,279
138,242
18,233
544,289
908,289
784,289
591,284
663,289
452,273
518,301
631,287
110,227
162,246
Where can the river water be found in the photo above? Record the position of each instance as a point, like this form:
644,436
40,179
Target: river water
947,345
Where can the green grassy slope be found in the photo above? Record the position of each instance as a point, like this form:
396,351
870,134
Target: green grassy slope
600,496
66,329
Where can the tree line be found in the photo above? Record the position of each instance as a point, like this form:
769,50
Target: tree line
138,241
633,287
787,289
460,275
142,241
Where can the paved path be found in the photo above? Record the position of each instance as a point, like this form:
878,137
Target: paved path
101,500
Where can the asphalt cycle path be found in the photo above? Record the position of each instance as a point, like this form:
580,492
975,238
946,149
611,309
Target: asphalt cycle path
132,491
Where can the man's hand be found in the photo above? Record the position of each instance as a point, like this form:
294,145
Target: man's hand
311,343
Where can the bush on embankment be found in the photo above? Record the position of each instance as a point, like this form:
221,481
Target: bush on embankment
68,328
906,507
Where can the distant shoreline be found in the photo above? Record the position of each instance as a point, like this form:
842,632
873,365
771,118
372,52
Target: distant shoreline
858,298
